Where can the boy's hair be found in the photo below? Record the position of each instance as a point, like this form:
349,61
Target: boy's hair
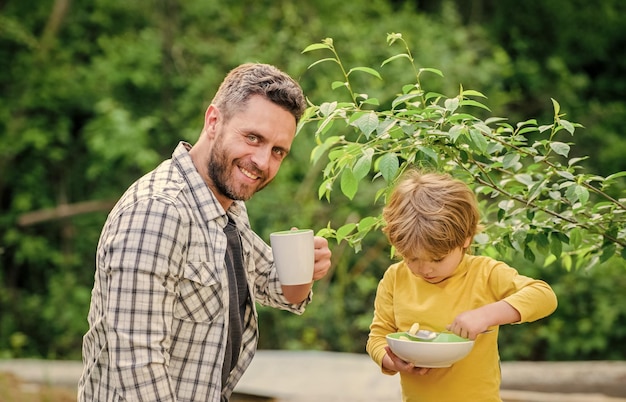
250,79
430,212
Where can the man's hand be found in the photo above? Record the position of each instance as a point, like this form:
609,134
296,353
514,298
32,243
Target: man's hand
322,257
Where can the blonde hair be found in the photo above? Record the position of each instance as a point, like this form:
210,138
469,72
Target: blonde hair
430,212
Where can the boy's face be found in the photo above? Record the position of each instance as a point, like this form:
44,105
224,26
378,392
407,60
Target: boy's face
434,269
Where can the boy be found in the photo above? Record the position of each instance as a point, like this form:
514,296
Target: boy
431,220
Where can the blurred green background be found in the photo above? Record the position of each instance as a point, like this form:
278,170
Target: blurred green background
96,93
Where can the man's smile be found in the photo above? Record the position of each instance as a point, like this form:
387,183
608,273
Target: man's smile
249,173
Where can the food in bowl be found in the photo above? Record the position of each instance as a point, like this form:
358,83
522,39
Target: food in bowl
443,351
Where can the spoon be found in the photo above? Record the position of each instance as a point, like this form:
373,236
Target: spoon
422,335
415,333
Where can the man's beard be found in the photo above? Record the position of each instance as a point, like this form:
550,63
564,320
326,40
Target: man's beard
219,173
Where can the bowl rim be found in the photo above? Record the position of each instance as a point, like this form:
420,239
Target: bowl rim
461,340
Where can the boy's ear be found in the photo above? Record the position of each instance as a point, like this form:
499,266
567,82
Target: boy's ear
467,243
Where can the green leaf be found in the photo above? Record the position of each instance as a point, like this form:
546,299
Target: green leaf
469,102
545,128
608,251
327,108
510,160
562,236
461,117
471,92
567,125
324,189
455,131
528,254
576,238
615,176
322,61
524,179
519,238
367,70
388,126
367,223
349,184
506,205
557,107
324,126
367,123
395,132
338,84
344,231
371,101
388,165
565,174
574,161
566,260
431,95
481,238
319,150
528,130
583,194
556,247
549,260
431,70
403,99
363,164
316,46
534,191
560,148
532,122
429,153
411,88
451,104
577,193
326,232
478,140
542,242
398,56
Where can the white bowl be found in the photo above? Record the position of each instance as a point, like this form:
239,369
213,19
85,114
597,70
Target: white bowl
443,351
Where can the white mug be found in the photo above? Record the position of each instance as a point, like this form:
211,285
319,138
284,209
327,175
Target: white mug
294,255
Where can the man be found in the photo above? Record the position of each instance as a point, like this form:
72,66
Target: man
178,268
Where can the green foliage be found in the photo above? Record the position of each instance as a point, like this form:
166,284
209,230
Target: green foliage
97,93
589,323
538,198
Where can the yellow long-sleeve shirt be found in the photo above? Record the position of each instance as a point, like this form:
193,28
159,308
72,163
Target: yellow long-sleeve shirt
403,298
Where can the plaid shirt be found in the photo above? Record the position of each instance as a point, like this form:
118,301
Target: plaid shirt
159,308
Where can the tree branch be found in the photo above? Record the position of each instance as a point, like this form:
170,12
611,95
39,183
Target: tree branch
64,211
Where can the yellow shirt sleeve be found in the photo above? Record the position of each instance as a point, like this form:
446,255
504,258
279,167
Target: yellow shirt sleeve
532,298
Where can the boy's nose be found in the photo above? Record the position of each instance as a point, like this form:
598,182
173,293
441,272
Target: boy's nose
425,269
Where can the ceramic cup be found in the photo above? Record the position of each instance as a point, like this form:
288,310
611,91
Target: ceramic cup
294,257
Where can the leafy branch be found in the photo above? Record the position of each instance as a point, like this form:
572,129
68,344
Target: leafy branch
538,199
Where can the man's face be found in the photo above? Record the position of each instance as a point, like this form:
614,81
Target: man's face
249,148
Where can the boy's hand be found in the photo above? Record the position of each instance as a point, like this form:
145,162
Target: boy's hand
470,324
394,363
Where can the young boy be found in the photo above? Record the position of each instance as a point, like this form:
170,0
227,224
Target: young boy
431,220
